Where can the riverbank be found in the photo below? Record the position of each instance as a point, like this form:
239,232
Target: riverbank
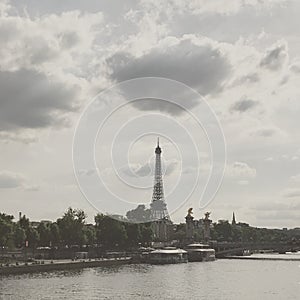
250,257
46,266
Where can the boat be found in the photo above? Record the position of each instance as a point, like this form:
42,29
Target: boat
168,255
200,252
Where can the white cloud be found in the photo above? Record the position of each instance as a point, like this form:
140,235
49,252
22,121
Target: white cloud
295,178
240,170
291,193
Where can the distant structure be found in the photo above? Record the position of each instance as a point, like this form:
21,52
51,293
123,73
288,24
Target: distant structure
190,225
206,230
233,222
158,206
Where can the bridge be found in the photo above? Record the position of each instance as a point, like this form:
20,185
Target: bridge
238,248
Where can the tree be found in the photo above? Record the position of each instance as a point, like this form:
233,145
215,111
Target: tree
146,233
19,235
133,234
223,230
6,229
110,232
89,234
24,223
179,233
55,235
44,233
32,236
139,214
71,227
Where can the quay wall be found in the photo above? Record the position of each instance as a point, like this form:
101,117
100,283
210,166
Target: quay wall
260,258
57,266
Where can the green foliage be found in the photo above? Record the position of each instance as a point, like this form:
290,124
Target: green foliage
223,230
146,233
19,235
139,214
71,227
110,232
133,233
89,234
32,236
6,229
55,234
44,231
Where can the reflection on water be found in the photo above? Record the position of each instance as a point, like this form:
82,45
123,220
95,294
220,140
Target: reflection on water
222,279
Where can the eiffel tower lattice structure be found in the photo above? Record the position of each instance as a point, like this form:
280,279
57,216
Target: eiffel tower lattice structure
158,205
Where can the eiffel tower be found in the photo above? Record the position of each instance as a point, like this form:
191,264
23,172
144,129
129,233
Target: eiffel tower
158,205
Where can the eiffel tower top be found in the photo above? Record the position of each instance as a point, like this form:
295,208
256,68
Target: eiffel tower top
158,149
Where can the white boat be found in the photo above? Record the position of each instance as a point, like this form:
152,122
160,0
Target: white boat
168,255
200,252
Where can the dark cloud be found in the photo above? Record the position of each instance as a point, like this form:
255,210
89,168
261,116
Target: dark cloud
201,67
244,105
246,79
29,99
275,57
266,132
10,180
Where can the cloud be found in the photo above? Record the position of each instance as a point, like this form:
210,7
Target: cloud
12,180
137,170
243,182
267,132
275,57
291,193
295,67
46,68
23,137
240,170
86,172
31,188
243,105
145,170
9,180
246,79
197,63
29,99
295,178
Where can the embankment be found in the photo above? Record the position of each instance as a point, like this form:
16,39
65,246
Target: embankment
61,265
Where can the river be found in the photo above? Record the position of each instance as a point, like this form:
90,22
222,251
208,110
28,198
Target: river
221,279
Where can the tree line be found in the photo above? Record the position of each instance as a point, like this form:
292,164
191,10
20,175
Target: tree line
122,232
72,229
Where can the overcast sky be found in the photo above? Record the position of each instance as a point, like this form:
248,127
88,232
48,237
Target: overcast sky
241,55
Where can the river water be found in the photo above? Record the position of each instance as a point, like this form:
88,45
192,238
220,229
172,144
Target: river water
221,279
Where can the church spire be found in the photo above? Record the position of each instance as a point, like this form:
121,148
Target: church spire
233,219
